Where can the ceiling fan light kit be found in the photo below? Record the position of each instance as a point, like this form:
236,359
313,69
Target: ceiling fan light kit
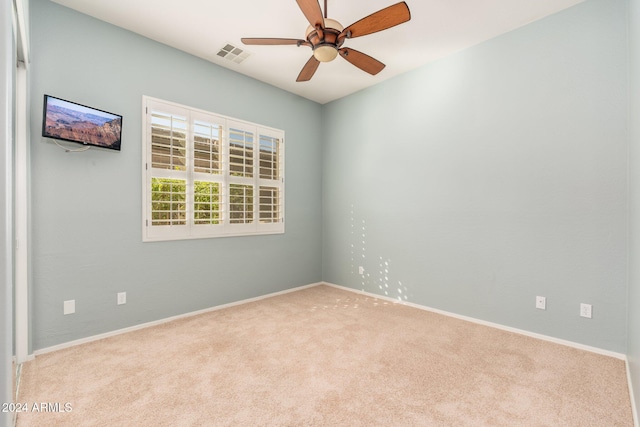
325,53
326,36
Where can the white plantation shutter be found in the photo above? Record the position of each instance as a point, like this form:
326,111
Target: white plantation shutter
206,203
207,175
168,201
269,204
269,157
241,152
168,141
270,179
242,176
241,204
207,147
167,177
208,182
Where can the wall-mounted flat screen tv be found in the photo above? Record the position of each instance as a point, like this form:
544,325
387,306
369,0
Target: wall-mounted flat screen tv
74,122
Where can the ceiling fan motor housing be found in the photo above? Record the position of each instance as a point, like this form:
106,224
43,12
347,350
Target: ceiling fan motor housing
325,42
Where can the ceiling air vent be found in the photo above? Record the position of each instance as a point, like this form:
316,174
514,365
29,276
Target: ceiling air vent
232,53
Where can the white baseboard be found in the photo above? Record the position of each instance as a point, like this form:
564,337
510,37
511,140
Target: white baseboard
634,408
165,320
485,323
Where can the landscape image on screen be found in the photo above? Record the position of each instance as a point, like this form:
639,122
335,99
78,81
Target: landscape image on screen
74,122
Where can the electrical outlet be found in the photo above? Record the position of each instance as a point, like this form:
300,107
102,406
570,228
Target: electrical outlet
541,303
585,310
122,298
361,270
69,307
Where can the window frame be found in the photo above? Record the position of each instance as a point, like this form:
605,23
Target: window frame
225,179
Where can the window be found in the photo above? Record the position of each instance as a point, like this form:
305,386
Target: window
206,175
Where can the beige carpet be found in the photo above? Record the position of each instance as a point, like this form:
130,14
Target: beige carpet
325,357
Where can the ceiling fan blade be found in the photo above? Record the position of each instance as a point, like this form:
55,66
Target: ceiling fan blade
308,70
312,11
378,21
273,41
362,60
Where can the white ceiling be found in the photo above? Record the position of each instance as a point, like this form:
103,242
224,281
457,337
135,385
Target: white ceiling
202,27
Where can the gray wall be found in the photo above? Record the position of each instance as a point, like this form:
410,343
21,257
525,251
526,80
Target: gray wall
497,174
7,67
633,337
86,207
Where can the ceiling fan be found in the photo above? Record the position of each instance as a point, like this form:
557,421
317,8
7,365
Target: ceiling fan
326,36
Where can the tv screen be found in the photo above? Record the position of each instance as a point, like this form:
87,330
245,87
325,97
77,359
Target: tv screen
74,122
